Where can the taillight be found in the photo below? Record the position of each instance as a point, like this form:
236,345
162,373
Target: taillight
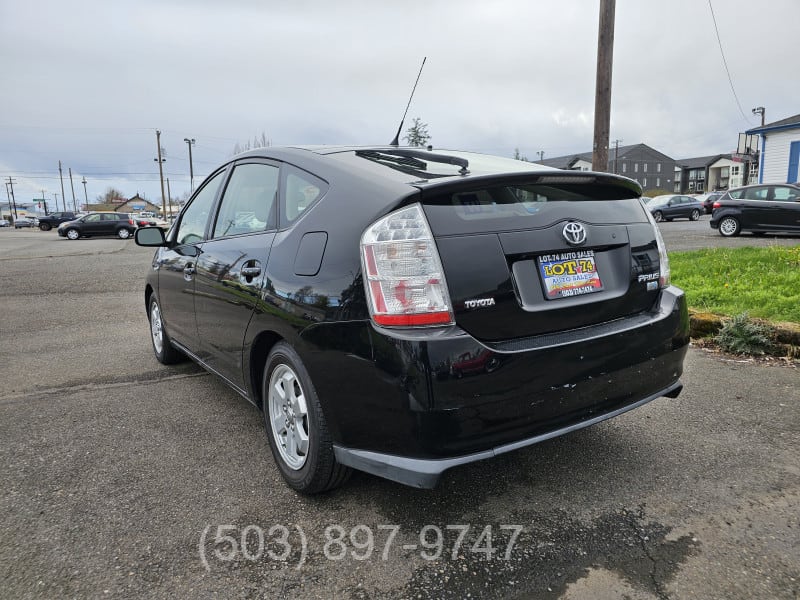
403,274
663,259
716,205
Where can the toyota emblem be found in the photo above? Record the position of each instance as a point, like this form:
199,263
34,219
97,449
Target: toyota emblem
574,233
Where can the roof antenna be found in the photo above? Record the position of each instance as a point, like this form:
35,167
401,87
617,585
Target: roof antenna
396,140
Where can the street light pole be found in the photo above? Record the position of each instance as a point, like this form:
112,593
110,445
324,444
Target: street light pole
760,110
190,143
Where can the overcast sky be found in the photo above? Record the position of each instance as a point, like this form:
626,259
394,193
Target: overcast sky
88,82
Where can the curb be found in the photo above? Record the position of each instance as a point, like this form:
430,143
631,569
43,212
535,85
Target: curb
704,324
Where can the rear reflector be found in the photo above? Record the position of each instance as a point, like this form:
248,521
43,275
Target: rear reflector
403,274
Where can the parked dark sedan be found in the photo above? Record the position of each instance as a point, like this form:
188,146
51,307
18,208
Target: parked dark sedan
675,206
758,208
345,291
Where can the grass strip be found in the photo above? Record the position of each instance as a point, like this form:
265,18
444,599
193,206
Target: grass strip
764,281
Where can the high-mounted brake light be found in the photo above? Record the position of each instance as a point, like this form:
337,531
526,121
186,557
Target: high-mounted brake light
403,274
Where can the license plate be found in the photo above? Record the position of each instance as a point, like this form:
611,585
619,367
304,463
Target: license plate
569,274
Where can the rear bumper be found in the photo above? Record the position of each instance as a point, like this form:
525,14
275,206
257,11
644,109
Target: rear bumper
410,406
425,473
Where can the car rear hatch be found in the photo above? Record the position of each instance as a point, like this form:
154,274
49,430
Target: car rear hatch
535,254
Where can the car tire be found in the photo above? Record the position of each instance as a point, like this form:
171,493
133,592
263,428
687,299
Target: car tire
695,215
296,428
123,233
45,226
658,216
73,234
165,352
729,227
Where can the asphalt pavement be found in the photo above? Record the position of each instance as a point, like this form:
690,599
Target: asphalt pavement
122,478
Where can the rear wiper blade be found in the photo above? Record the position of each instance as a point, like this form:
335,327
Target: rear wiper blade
394,158
407,157
433,157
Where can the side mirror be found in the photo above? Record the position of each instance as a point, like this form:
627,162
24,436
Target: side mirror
150,237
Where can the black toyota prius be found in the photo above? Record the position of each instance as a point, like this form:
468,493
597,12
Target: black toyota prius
402,311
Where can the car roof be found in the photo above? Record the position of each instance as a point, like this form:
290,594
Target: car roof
744,187
399,167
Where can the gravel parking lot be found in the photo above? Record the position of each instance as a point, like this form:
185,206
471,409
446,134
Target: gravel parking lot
124,478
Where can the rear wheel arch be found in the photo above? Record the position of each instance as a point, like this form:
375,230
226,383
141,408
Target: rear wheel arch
148,292
261,347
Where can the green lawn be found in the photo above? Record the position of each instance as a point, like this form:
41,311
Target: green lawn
765,282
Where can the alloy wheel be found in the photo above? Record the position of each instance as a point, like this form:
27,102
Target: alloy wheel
156,328
288,416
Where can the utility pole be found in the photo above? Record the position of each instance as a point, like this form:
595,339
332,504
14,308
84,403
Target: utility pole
63,196
44,201
13,200
190,143
169,198
85,195
160,162
72,185
602,100
540,153
55,195
616,155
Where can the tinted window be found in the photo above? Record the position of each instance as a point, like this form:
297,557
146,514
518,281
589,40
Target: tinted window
93,218
301,190
785,194
249,200
193,222
758,193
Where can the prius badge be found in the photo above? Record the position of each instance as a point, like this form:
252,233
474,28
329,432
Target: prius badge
574,233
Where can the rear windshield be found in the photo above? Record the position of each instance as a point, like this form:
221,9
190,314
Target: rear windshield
529,205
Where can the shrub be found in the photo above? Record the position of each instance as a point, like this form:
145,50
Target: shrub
743,335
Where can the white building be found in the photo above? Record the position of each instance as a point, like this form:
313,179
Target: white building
780,151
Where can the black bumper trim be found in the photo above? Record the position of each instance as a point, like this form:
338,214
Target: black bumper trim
425,473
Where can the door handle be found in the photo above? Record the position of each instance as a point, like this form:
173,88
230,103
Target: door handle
251,271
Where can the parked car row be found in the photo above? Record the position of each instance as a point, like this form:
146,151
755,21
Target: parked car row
759,209
77,225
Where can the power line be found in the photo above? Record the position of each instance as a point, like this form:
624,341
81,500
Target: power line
725,62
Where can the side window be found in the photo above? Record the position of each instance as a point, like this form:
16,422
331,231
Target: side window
109,217
93,218
759,193
784,194
248,204
300,191
193,222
